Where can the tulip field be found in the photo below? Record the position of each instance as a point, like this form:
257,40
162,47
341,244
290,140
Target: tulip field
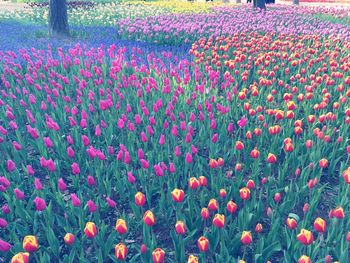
187,133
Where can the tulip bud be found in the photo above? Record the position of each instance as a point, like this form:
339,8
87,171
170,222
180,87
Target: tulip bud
178,195
219,221
192,259
140,199
180,228
291,223
69,239
258,228
148,218
320,225
90,230
121,251
244,193
246,238
203,244
121,226
305,237
205,214
30,244
21,257
304,259
158,255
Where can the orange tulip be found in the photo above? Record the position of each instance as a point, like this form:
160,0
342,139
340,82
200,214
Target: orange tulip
158,255
178,195
69,239
30,244
246,238
219,220
305,237
121,226
149,218
121,251
320,225
21,257
90,230
203,244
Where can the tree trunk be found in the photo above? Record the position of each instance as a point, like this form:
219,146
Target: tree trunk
254,3
296,2
238,1
58,18
260,4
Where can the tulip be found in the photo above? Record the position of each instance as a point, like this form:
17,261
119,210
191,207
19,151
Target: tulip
346,175
239,146
304,259
250,184
121,226
21,257
337,213
213,163
203,181
244,193
121,251
246,238
323,163
271,158
69,239
258,228
158,255
188,158
30,244
180,228
178,195
205,214
192,259
291,223
305,237
4,246
320,225
222,193
348,237
193,183
148,218
40,204
219,220
213,205
203,244
90,230
140,199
